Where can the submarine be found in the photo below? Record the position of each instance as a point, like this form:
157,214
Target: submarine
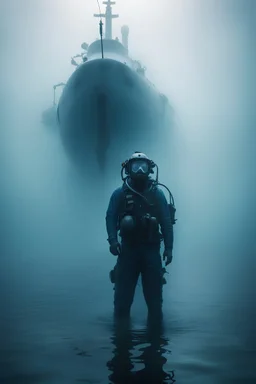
108,107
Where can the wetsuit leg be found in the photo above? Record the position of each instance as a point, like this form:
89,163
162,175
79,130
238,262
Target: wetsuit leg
152,281
127,273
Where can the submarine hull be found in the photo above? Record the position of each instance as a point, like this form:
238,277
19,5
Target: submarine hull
106,111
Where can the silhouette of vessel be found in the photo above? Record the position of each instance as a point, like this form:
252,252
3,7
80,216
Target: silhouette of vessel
108,107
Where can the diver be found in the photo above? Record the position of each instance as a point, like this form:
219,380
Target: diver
135,212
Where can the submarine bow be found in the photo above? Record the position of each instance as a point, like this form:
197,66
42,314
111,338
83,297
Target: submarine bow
108,108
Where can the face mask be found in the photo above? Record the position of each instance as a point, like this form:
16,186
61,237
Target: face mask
140,166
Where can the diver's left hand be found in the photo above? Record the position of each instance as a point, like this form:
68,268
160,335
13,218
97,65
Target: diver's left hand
167,256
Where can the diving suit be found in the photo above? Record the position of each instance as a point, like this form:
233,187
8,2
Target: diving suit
136,211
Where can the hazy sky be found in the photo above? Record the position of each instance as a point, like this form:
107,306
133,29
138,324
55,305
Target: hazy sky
184,44
45,34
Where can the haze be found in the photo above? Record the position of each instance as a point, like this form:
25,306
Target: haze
55,260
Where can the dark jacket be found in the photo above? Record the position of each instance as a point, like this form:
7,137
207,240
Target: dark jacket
160,210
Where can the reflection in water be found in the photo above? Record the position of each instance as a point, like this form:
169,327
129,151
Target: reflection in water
124,366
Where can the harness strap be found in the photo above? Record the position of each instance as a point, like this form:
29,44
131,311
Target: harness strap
129,201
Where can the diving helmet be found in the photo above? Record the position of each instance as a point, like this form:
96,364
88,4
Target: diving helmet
139,166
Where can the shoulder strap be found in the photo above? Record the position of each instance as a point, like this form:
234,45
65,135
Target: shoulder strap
128,199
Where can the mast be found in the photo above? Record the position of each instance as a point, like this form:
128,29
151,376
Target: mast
108,15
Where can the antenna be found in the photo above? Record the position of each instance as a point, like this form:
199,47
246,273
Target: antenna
101,30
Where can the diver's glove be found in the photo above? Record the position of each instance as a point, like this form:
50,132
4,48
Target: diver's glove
167,256
115,248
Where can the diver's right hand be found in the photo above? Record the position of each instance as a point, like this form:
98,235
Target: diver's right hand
115,248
